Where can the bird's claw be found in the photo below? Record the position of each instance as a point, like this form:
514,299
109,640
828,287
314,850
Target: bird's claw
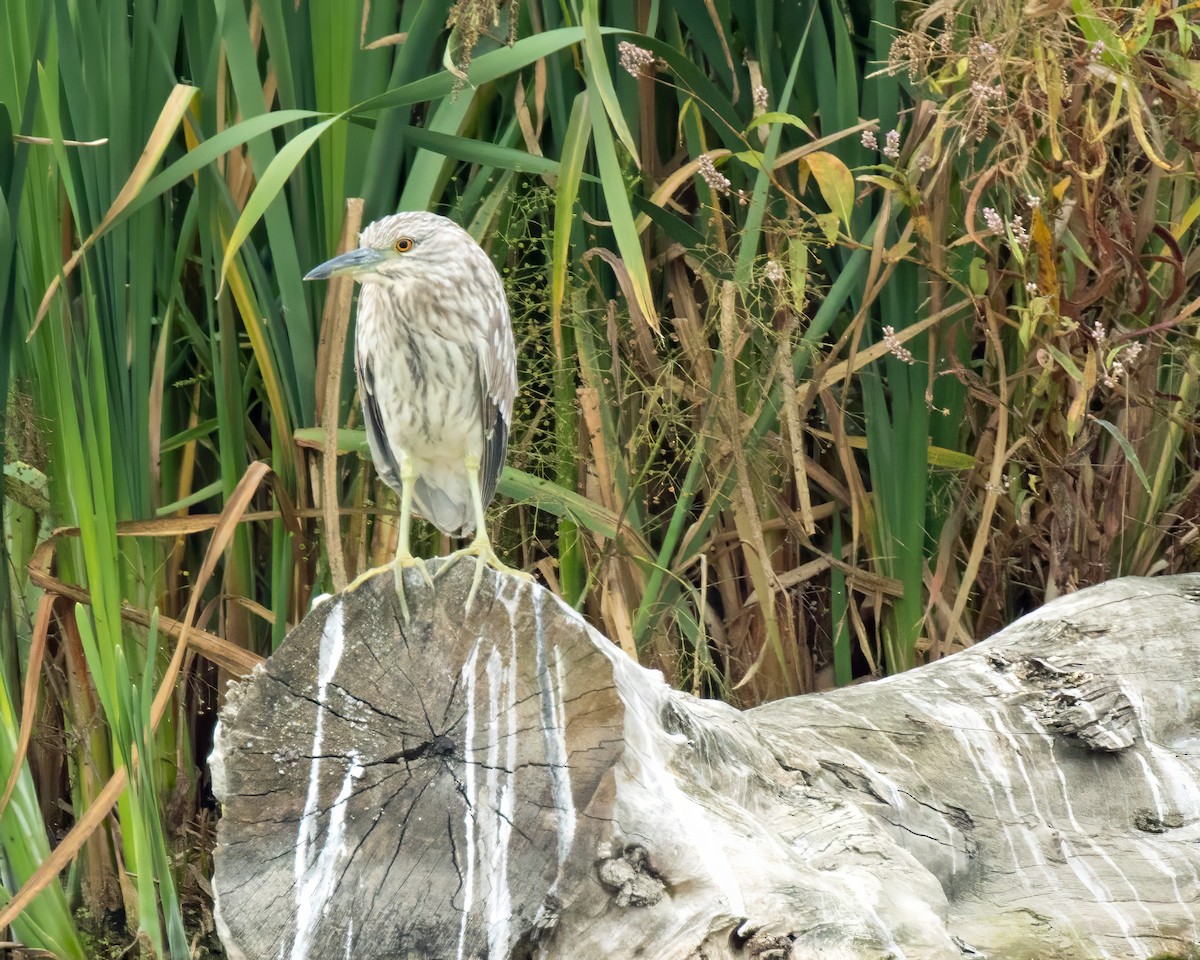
365,576
399,565
481,549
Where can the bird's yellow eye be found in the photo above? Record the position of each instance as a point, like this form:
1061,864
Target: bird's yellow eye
403,245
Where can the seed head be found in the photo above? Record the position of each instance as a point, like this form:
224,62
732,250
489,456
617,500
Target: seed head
895,347
891,147
713,177
1020,234
986,93
636,61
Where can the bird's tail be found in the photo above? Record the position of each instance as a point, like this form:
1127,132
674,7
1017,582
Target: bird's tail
448,510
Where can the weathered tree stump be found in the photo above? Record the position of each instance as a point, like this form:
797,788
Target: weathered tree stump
509,784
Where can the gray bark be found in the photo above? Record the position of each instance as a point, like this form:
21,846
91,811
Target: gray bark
509,784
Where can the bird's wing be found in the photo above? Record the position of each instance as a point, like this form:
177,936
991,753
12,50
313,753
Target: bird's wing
381,452
497,388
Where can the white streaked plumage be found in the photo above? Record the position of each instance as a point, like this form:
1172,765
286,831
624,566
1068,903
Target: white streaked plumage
436,370
436,363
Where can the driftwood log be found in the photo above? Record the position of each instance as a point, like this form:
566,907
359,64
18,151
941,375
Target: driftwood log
509,784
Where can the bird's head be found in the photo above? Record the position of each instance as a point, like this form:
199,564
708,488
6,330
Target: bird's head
399,246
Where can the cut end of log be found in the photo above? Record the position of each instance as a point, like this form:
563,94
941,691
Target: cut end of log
509,784
469,758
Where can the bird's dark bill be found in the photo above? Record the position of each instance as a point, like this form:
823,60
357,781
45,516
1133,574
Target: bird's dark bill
354,262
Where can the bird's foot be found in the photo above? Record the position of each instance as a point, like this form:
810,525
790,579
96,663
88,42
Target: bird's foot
365,576
481,549
399,565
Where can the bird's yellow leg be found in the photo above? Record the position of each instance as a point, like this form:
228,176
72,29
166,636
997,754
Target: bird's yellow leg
481,547
404,557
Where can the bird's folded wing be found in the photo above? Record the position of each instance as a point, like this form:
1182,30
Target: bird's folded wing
497,388
381,451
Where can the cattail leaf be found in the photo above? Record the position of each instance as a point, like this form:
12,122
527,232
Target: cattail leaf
269,187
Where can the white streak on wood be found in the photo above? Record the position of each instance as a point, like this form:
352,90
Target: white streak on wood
897,752
1031,790
321,877
1087,876
496,827
647,761
1176,774
332,644
554,735
1150,851
468,675
885,932
1153,785
895,797
1000,772
1180,778
560,684
1018,758
982,771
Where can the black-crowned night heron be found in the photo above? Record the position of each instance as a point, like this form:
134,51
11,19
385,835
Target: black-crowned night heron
437,374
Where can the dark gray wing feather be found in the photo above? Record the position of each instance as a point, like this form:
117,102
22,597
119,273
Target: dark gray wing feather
381,452
497,371
495,444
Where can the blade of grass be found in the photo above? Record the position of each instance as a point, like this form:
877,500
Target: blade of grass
95,815
164,131
599,79
616,196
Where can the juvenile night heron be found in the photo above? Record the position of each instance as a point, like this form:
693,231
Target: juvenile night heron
437,374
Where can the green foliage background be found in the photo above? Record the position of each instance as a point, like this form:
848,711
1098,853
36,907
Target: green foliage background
803,399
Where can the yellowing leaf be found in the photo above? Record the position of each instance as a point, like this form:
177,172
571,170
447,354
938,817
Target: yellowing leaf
951,459
828,222
886,182
835,182
1138,121
1043,243
1187,220
1079,405
776,117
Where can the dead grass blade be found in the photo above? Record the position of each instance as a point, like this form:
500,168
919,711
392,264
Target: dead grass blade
335,323
160,138
995,478
641,323
33,671
225,654
745,510
795,430
71,844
